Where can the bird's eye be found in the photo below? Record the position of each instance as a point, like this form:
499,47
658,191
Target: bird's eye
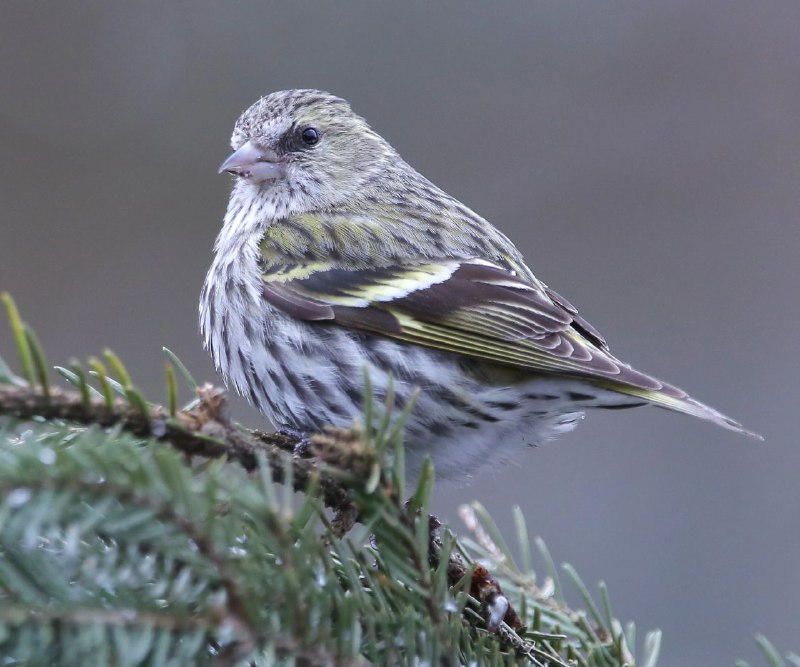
309,136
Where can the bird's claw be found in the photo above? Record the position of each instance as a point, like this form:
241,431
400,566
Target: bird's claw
302,447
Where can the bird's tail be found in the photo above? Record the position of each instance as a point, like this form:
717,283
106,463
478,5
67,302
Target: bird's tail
673,398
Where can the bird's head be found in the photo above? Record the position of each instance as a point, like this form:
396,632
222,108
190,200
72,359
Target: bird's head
305,150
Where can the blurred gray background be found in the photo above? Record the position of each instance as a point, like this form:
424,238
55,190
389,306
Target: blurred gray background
643,155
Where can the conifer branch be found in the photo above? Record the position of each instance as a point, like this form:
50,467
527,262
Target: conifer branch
247,577
204,430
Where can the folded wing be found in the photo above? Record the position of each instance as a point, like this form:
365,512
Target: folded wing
471,307
467,306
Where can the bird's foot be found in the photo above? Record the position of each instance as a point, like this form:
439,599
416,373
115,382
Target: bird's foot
302,447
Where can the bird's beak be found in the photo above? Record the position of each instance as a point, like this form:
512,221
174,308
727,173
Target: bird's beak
254,163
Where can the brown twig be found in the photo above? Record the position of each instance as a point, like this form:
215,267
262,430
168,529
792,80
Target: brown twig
207,431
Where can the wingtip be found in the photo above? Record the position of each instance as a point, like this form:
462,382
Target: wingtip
708,413
678,401
736,426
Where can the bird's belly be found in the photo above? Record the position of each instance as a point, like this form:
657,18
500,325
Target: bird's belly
307,375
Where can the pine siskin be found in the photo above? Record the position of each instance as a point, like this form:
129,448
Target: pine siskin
336,256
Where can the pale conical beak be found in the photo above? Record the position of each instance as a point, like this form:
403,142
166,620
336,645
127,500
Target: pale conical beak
254,163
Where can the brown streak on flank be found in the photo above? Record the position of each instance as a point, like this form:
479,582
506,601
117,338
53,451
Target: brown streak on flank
503,405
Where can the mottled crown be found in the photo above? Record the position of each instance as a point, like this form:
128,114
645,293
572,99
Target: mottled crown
303,105
291,101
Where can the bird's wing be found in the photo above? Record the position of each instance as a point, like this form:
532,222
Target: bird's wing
472,307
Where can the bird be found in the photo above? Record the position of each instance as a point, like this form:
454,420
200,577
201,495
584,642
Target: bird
342,275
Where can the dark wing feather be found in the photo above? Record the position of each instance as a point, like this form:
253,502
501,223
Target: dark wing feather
473,308
470,307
